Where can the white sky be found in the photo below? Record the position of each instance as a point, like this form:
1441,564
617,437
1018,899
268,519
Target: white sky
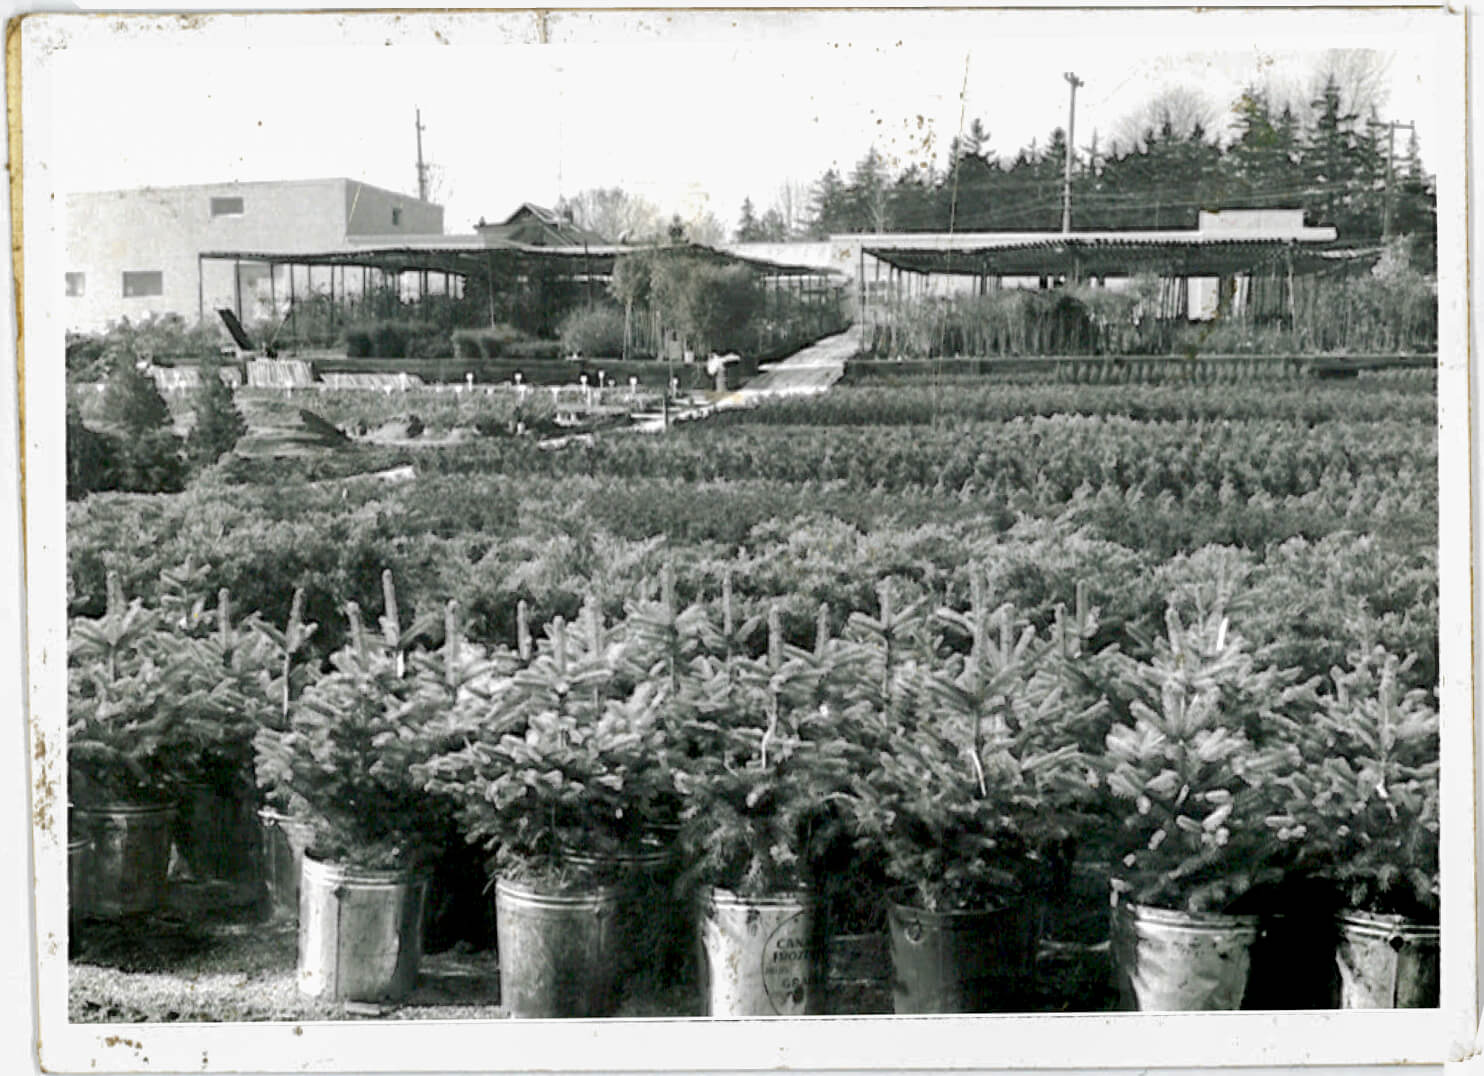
677,108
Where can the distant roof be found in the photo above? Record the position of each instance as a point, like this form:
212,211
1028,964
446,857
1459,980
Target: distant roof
471,255
1184,252
535,225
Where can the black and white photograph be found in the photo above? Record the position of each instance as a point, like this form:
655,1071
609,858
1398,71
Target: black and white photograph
591,539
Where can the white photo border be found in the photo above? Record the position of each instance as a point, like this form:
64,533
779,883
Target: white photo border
1081,1041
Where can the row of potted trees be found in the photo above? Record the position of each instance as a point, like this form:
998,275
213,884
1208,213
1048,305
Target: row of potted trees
684,790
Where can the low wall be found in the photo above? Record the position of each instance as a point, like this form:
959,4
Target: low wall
533,371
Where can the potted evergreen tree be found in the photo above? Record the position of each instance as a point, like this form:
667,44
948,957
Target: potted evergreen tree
344,765
1363,811
1191,778
283,837
975,781
224,696
125,745
762,776
557,775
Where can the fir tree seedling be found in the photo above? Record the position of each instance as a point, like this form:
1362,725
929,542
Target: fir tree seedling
1363,809
1190,789
125,736
349,760
762,788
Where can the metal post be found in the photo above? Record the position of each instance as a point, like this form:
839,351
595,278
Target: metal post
1390,165
490,261
237,286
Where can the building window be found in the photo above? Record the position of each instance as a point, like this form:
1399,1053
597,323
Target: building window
396,218
76,283
139,285
226,207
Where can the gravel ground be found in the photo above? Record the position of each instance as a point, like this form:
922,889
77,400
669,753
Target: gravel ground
214,955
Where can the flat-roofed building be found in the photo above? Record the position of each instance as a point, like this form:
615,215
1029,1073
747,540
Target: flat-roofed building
132,253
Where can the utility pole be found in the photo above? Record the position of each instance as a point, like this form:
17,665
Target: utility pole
422,169
1066,188
1391,129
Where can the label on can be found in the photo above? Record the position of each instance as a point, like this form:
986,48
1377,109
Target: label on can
789,965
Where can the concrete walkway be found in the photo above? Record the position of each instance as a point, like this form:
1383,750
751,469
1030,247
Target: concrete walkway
812,370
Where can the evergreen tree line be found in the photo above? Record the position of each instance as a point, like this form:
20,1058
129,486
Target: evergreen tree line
135,448
1333,166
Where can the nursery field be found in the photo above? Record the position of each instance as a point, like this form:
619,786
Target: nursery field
1305,513
1315,506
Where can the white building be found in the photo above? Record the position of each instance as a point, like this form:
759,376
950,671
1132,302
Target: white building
133,253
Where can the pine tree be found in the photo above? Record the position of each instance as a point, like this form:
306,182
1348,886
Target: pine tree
867,195
773,227
828,210
90,457
131,400
749,230
1254,160
151,460
219,424
1329,155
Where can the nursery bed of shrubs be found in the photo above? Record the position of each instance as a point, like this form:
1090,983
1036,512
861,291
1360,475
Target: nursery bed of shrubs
1290,533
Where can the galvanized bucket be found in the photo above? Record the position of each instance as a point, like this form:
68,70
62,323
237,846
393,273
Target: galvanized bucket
1387,962
216,833
130,857
961,961
858,974
653,926
761,956
559,953
78,846
360,932
1168,961
284,840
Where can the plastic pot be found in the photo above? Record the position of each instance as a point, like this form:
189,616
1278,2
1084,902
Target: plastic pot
1169,961
129,859
559,952
962,961
760,956
1387,962
360,932
283,842
217,834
